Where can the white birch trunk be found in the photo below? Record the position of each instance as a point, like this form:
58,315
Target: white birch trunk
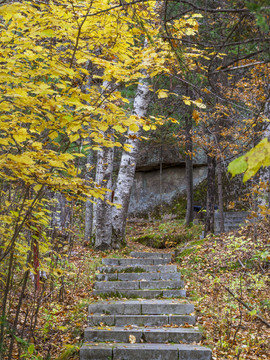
127,169
263,199
102,213
88,204
102,220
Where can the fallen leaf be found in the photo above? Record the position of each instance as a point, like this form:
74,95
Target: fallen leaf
132,339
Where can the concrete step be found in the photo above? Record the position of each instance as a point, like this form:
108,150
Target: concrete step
136,284
139,276
154,324
144,352
142,334
141,307
134,262
148,255
140,320
146,294
137,269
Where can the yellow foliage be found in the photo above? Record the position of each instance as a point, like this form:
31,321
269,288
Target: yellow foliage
53,60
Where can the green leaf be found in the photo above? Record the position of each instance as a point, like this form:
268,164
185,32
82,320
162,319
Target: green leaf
238,166
48,32
31,349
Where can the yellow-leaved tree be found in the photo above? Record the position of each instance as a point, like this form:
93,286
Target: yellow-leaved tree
56,58
50,52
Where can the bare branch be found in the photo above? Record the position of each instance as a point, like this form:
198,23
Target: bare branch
241,10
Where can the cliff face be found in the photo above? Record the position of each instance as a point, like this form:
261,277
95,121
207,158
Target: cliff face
160,178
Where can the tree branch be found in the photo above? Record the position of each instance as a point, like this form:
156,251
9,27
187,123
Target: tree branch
241,10
246,306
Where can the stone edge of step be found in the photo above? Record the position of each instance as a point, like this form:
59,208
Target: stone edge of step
149,255
138,284
142,293
140,320
105,351
137,269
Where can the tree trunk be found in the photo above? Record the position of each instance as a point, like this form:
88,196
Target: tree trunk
88,204
263,199
189,170
160,179
220,196
61,216
210,203
102,220
102,213
127,169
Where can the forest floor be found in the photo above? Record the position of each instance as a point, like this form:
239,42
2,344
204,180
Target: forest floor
226,277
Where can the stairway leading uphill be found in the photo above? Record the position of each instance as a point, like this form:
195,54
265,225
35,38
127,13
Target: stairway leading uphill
156,324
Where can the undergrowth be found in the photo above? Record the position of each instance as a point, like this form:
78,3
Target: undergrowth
227,277
161,235
220,273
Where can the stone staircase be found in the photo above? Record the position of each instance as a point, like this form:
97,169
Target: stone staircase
232,220
157,325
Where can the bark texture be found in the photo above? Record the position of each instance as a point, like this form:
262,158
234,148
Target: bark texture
189,170
102,210
102,226
127,169
210,202
263,200
88,204
220,197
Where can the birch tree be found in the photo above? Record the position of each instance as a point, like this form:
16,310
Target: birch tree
128,167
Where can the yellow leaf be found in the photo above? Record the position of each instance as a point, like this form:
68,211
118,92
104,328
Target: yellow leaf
21,159
162,94
199,104
134,128
146,127
48,33
196,116
119,128
132,339
37,188
37,145
103,126
186,100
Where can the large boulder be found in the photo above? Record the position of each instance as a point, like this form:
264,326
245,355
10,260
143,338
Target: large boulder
160,178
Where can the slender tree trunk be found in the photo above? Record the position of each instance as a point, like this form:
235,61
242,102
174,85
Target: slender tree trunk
189,170
210,203
88,204
160,178
61,217
263,200
102,221
102,210
88,218
127,169
220,196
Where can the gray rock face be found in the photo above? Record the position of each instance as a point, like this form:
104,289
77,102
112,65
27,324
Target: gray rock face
145,194
150,156
150,188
